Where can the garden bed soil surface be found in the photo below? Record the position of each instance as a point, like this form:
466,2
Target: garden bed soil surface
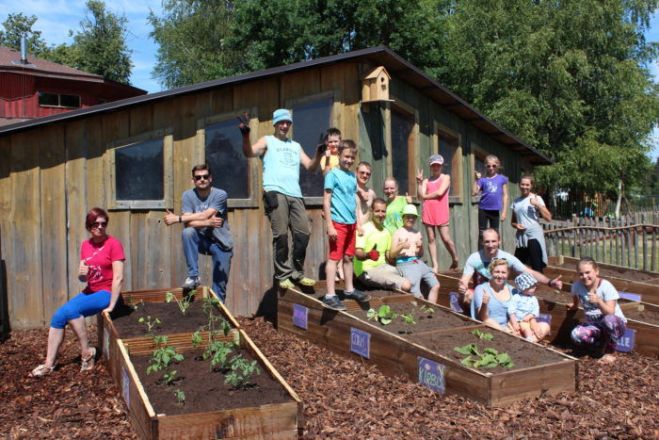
425,321
555,296
631,274
523,354
649,316
170,316
204,389
344,397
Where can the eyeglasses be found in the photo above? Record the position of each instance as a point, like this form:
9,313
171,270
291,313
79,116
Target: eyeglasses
99,224
202,176
490,166
365,173
496,260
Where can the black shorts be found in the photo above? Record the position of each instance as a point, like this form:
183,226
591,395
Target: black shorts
531,255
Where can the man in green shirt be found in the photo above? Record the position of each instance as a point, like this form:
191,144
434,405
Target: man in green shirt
372,250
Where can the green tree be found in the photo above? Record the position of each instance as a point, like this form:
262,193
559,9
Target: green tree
15,26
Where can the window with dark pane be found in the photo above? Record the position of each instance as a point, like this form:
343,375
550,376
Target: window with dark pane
225,156
310,123
479,164
139,171
70,101
402,125
448,147
49,99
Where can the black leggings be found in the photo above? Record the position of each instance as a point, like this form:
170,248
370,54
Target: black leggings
531,255
487,218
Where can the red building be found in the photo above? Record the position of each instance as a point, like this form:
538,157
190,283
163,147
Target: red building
34,88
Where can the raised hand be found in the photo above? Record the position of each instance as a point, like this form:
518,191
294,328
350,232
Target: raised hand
419,176
244,124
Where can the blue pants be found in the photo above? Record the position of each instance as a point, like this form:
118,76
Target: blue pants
195,243
83,304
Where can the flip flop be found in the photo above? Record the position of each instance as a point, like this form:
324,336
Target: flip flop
88,363
42,370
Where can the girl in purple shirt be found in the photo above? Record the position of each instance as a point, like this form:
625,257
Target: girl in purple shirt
493,189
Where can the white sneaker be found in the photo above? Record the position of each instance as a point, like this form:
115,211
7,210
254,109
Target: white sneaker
191,283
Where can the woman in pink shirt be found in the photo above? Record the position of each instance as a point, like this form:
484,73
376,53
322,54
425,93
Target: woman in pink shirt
102,268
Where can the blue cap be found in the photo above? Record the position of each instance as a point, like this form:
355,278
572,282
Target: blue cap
281,114
525,281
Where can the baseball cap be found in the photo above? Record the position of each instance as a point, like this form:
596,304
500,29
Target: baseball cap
436,159
281,114
410,210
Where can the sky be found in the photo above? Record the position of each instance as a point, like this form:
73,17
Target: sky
57,17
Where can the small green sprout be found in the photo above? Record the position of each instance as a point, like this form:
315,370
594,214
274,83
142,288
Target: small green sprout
384,315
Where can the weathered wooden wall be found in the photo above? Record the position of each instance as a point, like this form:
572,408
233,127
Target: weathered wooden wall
51,176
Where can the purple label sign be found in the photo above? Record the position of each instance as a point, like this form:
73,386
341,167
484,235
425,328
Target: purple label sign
300,316
360,342
454,300
431,374
626,342
630,296
544,317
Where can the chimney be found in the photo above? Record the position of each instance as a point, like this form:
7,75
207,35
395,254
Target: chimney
24,49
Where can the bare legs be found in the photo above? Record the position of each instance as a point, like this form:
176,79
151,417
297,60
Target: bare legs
56,336
330,274
448,243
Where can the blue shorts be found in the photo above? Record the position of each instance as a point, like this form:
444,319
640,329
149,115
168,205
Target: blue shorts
416,271
83,304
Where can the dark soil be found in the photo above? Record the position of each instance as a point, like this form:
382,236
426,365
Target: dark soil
524,354
555,296
204,389
649,316
631,274
425,321
344,398
170,316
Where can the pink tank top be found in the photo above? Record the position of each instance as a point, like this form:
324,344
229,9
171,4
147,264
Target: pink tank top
435,211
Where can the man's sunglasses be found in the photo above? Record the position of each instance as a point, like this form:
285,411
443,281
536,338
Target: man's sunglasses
99,224
202,176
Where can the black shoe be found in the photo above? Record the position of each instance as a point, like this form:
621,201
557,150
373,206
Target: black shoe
333,302
357,295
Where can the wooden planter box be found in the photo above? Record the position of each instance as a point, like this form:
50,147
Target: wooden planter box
266,421
394,354
563,320
626,280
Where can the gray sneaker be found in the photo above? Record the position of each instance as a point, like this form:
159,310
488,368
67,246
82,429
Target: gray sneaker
191,283
333,302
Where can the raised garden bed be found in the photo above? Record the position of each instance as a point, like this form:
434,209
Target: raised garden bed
346,333
188,398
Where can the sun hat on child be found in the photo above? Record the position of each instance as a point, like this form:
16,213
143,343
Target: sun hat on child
410,210
281,114
436,159
525,281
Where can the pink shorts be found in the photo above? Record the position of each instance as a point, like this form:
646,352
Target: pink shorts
344,243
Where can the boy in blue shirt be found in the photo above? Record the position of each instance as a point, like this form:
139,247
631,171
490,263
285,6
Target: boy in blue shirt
340,207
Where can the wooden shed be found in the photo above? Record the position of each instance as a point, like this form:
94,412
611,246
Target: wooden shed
134,157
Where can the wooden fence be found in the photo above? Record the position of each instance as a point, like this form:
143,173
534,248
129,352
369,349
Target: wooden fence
629,241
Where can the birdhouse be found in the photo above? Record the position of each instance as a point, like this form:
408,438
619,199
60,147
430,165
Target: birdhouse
375,85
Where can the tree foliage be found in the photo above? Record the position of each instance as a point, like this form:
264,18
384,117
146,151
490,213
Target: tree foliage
98,47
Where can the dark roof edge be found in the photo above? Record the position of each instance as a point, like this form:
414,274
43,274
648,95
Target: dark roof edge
153,97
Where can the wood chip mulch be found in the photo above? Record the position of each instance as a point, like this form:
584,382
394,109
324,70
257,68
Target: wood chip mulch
343,398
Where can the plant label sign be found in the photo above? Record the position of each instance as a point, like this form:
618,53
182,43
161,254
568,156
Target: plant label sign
626,342
300,316
454,300
431,374
360,342
630,296
125,386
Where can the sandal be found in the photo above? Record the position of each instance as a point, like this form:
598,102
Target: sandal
88,363
306,282
42,370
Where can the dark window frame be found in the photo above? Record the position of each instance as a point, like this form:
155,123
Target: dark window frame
167,145
440,131
412,114
59,100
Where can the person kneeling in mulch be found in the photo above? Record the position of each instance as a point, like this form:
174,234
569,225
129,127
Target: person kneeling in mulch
102,267
605,323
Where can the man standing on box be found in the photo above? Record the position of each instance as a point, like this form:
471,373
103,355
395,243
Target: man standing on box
282,196
206,230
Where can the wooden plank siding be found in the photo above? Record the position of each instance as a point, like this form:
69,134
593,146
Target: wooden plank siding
51,176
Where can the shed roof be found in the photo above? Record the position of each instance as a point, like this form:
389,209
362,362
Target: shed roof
378,55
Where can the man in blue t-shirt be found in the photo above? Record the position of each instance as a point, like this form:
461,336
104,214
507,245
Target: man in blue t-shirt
282,196
206,230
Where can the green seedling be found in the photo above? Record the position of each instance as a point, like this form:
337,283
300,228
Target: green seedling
196,339
484,336
489,358
162,356
241,372
218,352
384,315
169,377
180,397
408,319
427,309
183,304
149,323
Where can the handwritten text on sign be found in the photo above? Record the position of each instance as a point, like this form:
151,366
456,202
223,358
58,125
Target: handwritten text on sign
360,342
431,374
300,316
